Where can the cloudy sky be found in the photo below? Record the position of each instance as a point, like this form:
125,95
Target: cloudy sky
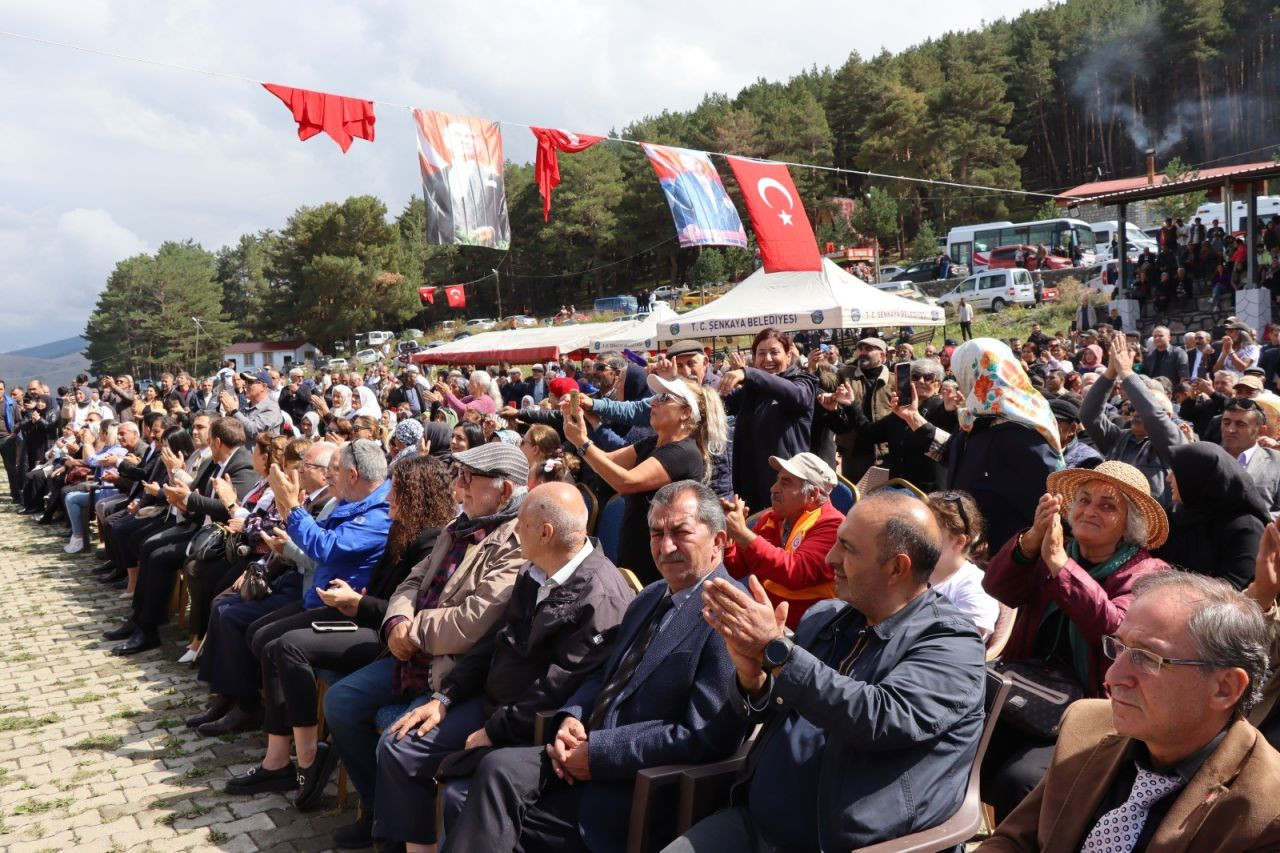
103,158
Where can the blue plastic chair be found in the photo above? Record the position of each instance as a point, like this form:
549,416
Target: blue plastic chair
844,496
609,526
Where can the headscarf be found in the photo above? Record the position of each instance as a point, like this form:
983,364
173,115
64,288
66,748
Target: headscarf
1213,485
312,418
995,385
408,433
342,411
368,403
1096,364
439,435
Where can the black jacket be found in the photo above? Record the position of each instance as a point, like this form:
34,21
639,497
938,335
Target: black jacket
388,574
538,655
774,418
904,458
202,503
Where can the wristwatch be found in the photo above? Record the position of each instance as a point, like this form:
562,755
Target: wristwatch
442,699
585,446
776,653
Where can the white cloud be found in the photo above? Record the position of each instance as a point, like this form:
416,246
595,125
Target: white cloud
102,157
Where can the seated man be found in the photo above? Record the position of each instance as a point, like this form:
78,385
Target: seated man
558,628
787,550
1169,762
871,716
665,697
447,602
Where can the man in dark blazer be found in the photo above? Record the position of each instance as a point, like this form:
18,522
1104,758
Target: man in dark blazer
162,554
665,697
871,716
1165,359
1241,423
1173,728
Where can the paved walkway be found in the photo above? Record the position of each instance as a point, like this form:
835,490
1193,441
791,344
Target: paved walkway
93,752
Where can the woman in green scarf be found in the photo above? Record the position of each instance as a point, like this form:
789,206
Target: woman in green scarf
1071,589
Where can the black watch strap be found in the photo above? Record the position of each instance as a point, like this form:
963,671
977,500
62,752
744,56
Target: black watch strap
777,652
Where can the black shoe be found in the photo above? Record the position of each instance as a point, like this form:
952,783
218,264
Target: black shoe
259,780
217,709
236,720
104,568
100,553
115,577
124,632
355,836
311,780
45,519
122,583
137,644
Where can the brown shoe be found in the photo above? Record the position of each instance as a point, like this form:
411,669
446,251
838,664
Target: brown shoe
217,709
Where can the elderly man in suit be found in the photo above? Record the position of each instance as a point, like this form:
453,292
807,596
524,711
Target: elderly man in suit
1168,762
665,696
1242,422
871,715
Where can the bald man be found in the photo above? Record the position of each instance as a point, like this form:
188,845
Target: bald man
558,628
872,715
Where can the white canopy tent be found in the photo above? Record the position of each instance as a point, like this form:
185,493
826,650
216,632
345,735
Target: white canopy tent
516,346
829,298
641,334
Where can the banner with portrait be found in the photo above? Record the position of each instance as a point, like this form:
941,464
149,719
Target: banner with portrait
462,181
701,208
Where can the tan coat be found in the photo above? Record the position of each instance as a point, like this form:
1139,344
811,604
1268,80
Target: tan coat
1231,804
1270,690
473,599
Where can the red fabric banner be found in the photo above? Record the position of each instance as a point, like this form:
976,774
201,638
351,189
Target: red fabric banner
456,295
782,227
341,118
427,295
546,167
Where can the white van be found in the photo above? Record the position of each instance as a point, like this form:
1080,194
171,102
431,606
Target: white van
1268,206
995,289
377,339
1137,240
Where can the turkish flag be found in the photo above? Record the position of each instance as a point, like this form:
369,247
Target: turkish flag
427,295
457,296
782,227
546,166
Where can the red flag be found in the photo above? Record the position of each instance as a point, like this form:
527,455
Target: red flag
457,296
427,295
546,167
341,118
778,218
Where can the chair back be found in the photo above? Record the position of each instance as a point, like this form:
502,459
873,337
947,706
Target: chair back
898,484
751,521
632,580
609,526
844,495
593,507
999,636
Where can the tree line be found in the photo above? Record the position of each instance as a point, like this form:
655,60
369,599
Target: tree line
1050,99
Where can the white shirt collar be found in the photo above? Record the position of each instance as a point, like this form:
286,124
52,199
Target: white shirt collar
1248,454
561,577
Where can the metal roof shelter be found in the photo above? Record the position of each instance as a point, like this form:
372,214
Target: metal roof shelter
1246,179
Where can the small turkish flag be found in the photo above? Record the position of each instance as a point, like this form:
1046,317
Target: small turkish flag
782,227
546,166
427,295
456,295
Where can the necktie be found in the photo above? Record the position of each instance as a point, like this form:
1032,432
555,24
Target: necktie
1118,830
630,662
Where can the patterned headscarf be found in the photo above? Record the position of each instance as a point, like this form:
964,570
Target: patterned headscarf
995,385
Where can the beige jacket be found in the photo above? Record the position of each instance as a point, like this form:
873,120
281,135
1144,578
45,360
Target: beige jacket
473,599
1230,805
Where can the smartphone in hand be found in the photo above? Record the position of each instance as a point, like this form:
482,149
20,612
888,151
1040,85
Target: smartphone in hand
902,379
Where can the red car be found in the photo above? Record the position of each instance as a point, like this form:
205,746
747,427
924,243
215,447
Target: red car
1002,258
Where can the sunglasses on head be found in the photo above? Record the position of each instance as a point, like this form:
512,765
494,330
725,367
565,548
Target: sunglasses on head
1246,405
958,499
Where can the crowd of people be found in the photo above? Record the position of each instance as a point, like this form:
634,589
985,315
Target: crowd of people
1087,512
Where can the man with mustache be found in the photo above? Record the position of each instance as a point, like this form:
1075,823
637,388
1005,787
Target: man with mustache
1168,762
872,390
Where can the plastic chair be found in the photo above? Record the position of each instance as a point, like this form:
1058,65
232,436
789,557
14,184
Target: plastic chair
609,526
593,508
753,519
999,636
844,495
898,484
632,581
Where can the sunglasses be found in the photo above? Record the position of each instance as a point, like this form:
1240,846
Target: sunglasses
958,499
665,397
1246,405
922,377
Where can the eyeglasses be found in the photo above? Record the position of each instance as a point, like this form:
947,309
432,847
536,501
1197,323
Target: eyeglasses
1148,663
958,499
313,465
465,475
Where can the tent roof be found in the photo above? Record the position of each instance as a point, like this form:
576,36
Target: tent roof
830,298
518,346
640,334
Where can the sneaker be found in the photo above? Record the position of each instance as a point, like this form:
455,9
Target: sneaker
75,546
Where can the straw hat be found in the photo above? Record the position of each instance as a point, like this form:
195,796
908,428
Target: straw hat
1126,478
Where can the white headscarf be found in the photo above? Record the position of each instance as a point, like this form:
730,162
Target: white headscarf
368,403
343,411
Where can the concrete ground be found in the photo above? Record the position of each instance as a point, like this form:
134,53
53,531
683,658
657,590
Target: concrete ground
93,751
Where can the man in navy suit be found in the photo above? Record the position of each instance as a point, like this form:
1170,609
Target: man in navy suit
666,696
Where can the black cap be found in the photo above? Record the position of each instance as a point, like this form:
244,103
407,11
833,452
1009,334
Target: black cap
250,377
1065,410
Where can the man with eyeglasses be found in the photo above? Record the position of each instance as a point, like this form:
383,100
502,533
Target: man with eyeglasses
1241,423
1169,762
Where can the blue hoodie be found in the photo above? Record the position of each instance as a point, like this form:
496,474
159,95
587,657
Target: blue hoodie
347,544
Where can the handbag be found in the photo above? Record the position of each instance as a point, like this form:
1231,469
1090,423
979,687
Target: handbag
1038,697
208,543
256,584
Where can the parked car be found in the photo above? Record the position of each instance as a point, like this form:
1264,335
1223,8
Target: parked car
907,290
669,292
482,324
368,356
888,272
405,351
337,364
1003,258
694,298
518,321
461,335
444,325
995,289
377,339
412,334
435,344
922,271
1097,284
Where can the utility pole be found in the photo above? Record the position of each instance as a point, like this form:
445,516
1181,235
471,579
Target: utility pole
195,372
497,288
